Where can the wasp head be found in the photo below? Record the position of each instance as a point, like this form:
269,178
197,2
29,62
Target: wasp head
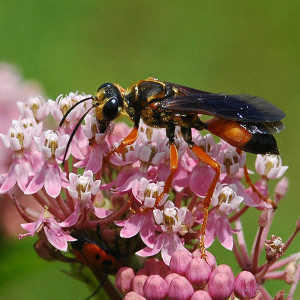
109,103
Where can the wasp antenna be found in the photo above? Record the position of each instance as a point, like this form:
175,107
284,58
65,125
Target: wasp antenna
67,113
75,129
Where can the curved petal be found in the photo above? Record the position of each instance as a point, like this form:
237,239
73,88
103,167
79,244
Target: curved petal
132,226
201,178
102,213
147,231
147,251
37,181
172,243
224,233
53,181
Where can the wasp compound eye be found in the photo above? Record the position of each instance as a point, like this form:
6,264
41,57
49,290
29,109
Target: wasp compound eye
110,109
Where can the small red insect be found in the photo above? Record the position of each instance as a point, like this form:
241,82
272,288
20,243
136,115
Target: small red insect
95,254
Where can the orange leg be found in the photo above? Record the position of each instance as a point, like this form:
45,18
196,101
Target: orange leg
254,189
204,157
173,169
128,140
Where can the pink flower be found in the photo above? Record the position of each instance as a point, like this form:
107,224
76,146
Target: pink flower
51,145
146,193
55,235
231,162
270,166
173,221
59,107
18,139
226,200
98,145
20,172
35,107
82,187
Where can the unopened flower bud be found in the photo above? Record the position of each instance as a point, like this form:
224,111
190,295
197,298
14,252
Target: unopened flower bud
179,261
170,277
282,187
138,284
211,260
156,288
134,296
290,270
245,286
201,295
124,279
160,268
280,295
264,218
198,272
221,282
180,289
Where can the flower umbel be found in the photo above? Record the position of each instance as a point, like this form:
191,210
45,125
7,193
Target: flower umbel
105,207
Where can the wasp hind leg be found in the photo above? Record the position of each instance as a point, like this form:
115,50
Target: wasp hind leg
254,189
205,158
173,165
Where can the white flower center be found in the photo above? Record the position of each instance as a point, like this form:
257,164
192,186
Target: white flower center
51,140
271,161
83,184
16,131
226,195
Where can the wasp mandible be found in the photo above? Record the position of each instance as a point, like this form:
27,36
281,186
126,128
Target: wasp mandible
244,121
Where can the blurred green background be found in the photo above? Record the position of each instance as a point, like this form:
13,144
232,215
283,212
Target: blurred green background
220,46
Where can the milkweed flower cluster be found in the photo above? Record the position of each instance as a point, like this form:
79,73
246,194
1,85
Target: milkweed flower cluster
97,190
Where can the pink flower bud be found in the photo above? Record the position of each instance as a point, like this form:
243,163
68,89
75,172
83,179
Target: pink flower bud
143,271
149,263
124,279
211,260
138,284
179,261
170,277
264,218
159,268
134,296
180,289
282,187
201,295
198,273
245,285
155,288
221,283
280,295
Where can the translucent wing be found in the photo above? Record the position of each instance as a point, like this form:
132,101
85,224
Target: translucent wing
240,108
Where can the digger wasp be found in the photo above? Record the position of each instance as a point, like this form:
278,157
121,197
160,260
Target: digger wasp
244,121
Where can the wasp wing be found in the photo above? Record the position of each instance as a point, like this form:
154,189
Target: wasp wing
240,108
264,128
186,90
